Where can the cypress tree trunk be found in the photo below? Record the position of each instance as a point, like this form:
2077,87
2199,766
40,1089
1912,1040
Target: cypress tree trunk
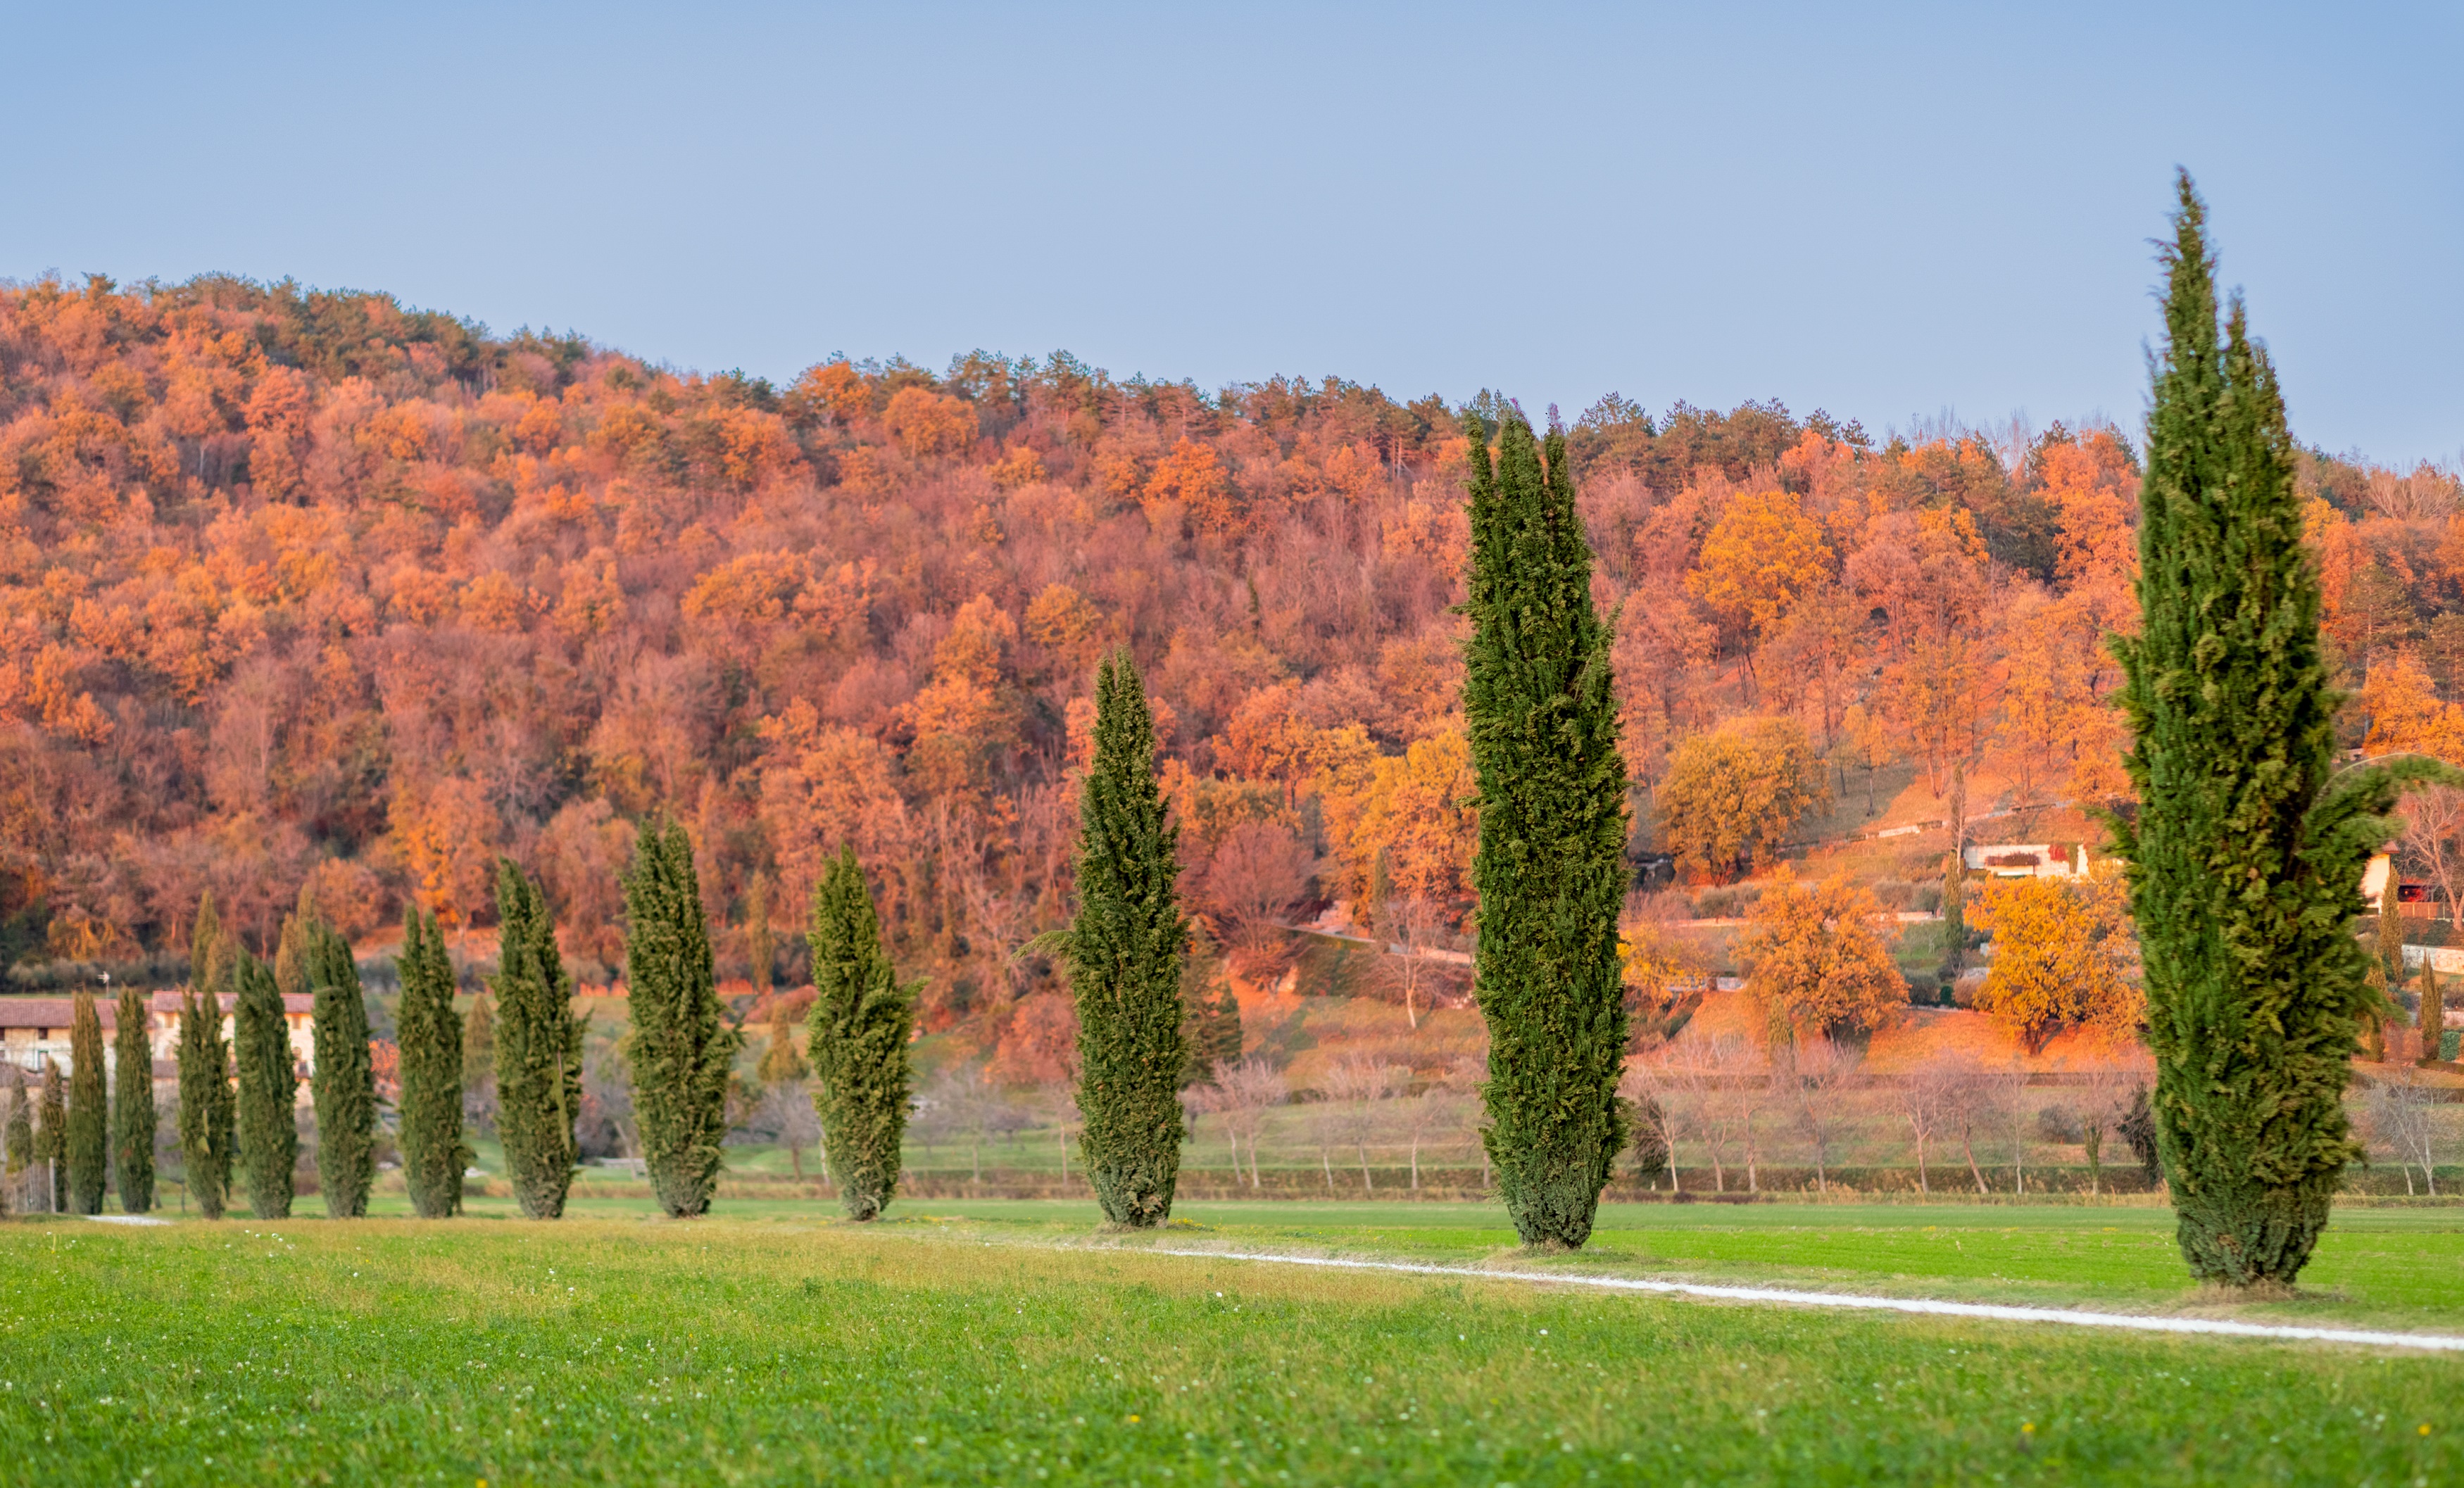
132,1105
1125,952
205,1072
429,1034
2245,857
51,1136
1551,870
89,1154
538,1048
269,1087
680,1050
344,1084
859,1025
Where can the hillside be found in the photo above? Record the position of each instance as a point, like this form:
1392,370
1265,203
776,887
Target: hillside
309,589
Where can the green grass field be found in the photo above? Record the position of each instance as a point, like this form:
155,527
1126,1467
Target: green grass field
1006,1343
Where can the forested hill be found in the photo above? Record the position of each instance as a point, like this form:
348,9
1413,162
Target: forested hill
306,587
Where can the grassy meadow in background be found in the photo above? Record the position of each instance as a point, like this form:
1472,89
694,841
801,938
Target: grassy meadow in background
1005,1342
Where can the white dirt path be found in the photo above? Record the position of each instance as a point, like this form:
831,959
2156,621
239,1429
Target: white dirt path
2065,1317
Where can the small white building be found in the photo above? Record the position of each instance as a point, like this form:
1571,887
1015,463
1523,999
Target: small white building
33,1030
2026,860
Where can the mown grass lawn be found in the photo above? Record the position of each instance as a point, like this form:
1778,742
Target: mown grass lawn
1008,1346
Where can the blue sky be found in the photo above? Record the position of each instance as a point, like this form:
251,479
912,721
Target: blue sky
1887,212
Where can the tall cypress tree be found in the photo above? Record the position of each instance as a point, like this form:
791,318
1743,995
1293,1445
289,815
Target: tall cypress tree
429,1034
1124,951
132,1105
2245,851
2433,1015
538,1048
268,1089
89,1141
1551,869
19,1143
859,1025
51,1136
206,1137
681,1050
345,1084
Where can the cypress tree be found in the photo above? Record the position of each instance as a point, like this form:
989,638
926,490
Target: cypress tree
268,1088
479,1058
681,1050
89,1140
52,1137
859,1025
2433,1016
293,948
206,1137
1210,1027
132,1105
1550,865
430,1035
345,1084
2246,850
20,1141
538,1048
1124,951
1954,923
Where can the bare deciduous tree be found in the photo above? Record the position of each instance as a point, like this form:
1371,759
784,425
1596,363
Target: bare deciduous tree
1244,1091
1358,1085
1820,1078
2398,1107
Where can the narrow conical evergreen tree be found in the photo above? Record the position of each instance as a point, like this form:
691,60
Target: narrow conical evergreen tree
681,1050
132,1105
1551,867
268,1089
538,1048
19,1147
2246,853
89,1129
344,1083
52,1135
859,1024
1124,952
206,1137
2433,1015
430,1035
292,948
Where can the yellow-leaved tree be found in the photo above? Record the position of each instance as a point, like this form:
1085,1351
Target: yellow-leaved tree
2060,948
1730,795
1818,958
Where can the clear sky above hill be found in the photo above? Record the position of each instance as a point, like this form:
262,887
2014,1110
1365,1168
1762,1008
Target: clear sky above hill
1887,214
